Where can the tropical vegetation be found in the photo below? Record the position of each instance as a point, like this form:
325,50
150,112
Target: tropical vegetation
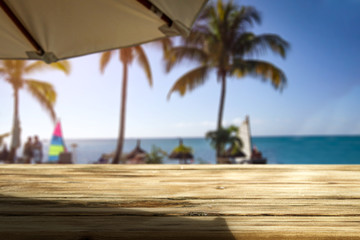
221,42
17,74
126,56
226,141
156,156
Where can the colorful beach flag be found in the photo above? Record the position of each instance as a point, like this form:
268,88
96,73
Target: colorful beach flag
57,144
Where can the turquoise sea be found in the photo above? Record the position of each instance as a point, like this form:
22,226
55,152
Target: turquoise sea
278,150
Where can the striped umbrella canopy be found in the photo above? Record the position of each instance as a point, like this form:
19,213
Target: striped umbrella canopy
57,144
53,30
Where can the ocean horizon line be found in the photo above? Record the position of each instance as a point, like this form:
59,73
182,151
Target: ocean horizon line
278,149
203,137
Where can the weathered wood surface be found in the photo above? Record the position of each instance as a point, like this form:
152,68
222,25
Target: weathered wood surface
179,202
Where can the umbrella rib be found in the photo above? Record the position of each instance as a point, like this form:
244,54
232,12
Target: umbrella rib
149,5
22,28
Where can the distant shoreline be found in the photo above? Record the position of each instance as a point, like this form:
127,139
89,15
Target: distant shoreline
298,149
172,138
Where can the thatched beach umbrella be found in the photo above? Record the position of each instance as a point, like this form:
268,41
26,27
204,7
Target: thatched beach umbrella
138,153
182,153
60,29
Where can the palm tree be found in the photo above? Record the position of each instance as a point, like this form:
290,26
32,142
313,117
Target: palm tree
220,42
225,140
126,56
14,72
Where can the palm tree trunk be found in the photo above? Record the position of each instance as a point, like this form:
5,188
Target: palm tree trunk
15,134
221,107
222,101
120,142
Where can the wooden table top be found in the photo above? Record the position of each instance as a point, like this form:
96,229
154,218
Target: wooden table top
179,202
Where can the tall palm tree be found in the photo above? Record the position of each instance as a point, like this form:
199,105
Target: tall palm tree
14,72
220,42
126,56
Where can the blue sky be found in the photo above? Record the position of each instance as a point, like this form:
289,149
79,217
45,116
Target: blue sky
322,96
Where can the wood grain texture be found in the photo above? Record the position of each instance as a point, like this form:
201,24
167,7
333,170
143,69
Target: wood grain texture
179,202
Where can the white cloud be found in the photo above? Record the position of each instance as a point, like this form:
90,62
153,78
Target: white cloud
184,124
195,124
208,124
237,121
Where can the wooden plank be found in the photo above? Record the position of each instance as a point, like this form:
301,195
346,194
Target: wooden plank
179,201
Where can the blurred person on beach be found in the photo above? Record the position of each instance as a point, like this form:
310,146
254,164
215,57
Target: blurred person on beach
103,159
4,154
28,151
256,153
37,150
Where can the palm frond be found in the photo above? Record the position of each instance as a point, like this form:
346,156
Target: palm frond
220,10
197,36
178,54
19,66
241,20
12,72
246,17
205,12
256,45
165,44
44,93
104,60
190,80
144,62
240,43
263,69
62,66
8,66
126,55
215,24
37,66
14,69
2,67
5,64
